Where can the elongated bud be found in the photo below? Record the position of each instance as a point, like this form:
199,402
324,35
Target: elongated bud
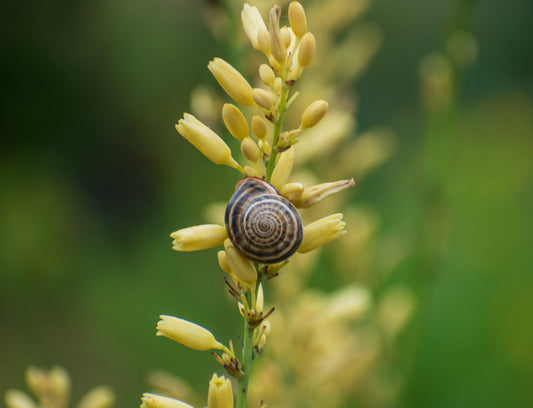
278,50
260,299
187,333
158,401
235,121
205,140
297,19
263,41
220,394
321,232
314,114
250,150
283,169
267,75
264,146
99,397
286,36
263,98
231,81
259,127
18,399
198,237
292,191
241,266
306,50
252,23
314,194
223,262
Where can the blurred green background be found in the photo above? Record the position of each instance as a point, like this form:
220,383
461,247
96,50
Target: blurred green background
93,178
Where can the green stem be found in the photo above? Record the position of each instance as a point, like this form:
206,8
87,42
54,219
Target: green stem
247,352
277,131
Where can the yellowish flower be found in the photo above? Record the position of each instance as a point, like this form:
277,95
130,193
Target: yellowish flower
187,333
158,401
297,18
235,121
231,81
310,196
252,23
314,114
207,141
321,232
198,237
220,394
241,266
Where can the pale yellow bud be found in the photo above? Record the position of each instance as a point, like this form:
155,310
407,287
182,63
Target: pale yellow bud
306,50
297,18
187,333
264,146
267,75
18,399
252,23
278,85
321,232
99,397
286,36
223,262
292,191
259,127
231,81
158,401
259,303
278,50
198,237
314,194
235,121
263,98
250,171
205,140
220,394
250,150
283,168
263,41
314,113
289,138
241,266
265,325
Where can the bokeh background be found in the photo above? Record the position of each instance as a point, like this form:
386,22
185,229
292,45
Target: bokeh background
93,178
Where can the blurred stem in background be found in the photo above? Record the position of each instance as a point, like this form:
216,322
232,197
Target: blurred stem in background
441,76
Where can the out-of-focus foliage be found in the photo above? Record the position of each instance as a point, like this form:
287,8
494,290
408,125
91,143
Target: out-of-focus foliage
93,178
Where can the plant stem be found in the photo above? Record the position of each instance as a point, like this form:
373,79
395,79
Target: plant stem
247,351
277,130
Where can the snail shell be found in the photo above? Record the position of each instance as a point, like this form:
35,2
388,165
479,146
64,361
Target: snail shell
261,224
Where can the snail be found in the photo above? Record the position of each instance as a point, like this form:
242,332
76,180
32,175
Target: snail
261,224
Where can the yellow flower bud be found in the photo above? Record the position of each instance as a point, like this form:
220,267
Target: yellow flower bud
263,41
205,140
267,75
314,114
198,237
314,194
322,231
259,127
297,19
252,23
99,397
278,50
292,191
223,262
187,333
287,139
259,303
231,81
306,50
286,36
18,399
235,121
220,394
264,146
250,150
264,99
241,266
283,169
158,401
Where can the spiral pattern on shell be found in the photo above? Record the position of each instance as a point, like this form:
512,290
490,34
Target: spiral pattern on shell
261,224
